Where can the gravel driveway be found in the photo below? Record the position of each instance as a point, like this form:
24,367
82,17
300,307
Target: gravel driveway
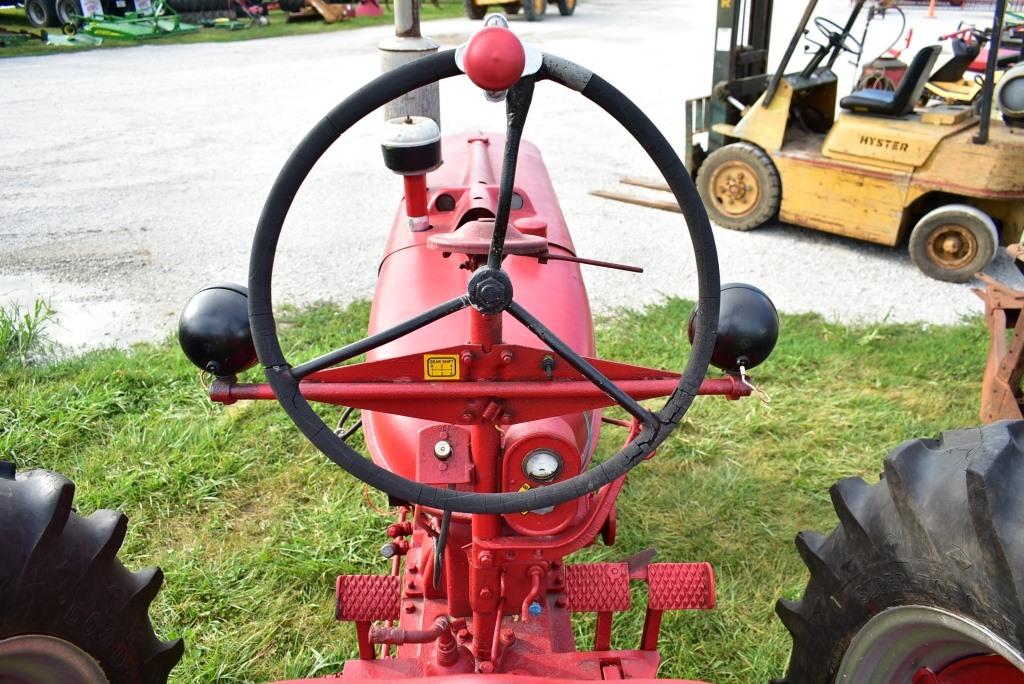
133,177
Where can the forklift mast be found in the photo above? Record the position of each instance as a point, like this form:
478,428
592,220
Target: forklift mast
742,32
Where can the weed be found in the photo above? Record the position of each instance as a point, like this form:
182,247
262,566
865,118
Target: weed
23,332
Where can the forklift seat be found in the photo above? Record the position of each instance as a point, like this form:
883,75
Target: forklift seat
899,102
963,54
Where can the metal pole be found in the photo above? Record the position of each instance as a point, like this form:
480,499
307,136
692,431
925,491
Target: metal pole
406,45
990,70
769,94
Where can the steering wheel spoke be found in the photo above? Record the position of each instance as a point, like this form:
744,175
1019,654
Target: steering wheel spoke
517,107
582,366
350,351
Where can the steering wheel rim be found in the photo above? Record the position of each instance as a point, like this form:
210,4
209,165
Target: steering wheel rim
357,106
831,30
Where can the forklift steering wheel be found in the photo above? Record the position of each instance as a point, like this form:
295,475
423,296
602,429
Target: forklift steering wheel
284,379
835,35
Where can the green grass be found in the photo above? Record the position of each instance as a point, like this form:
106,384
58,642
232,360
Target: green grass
251,524
15,19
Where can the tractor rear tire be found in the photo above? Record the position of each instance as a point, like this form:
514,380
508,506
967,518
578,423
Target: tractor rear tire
954,242
41,13
925,568
534,10
566,7
69,610
475,11
740,186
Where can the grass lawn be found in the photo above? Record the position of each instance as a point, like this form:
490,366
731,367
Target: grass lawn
12,18
251,524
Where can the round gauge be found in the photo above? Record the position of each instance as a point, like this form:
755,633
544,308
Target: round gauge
542,465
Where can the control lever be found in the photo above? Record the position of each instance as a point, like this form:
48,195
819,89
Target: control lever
548,256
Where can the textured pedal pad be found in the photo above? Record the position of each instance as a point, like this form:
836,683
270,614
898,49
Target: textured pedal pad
366,598
680,586
597,587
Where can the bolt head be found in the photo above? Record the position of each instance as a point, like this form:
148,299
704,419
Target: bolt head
443,450
490,291
389,550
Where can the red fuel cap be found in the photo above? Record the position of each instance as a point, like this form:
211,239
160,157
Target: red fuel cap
494,59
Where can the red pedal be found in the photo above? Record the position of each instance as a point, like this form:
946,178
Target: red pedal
597,587
680,586
366,598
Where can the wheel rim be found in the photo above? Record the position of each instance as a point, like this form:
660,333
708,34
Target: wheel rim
952,246
570,4
896,644
735,188
44,659
538,6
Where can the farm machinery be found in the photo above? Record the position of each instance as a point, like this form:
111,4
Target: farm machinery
482,401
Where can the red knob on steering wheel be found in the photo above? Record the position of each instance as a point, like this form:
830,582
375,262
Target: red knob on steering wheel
494,59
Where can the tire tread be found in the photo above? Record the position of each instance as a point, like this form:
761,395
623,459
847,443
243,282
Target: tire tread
945,514
59,567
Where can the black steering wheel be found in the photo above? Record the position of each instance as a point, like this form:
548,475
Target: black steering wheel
837,36
490,290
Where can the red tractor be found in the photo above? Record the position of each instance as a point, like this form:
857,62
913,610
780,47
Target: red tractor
482,404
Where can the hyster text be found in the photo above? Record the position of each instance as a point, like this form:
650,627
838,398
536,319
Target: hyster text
886,143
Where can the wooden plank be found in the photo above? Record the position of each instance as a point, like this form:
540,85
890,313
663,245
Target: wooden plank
331,13
632,199
644,183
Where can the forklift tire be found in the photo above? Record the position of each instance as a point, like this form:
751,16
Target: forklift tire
70,613
511,8
954,242
566,7
68,12
534,9
740,186
926,568
475,11
41,13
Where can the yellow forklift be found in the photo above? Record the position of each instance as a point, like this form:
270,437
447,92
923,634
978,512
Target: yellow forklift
948,180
